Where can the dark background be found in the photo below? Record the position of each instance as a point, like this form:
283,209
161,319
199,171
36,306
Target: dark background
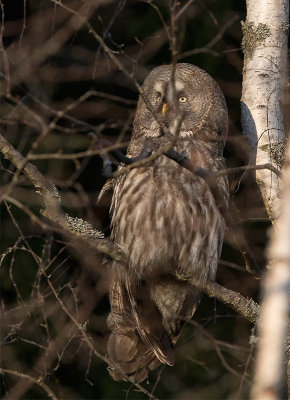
215,353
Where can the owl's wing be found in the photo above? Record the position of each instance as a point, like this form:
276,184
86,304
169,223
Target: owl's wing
138,342
146,320
149,326
134,150
109,185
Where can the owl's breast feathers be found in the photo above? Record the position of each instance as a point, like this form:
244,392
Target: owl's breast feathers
167,218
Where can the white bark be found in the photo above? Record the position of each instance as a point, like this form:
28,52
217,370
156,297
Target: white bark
270,366
265,49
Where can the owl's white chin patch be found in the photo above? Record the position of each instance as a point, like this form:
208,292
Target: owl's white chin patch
184,133
182,130
152,129
154,125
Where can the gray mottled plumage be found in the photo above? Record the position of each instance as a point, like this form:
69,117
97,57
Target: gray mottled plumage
167,220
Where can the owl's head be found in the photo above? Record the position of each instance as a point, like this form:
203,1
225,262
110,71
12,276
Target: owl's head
193,93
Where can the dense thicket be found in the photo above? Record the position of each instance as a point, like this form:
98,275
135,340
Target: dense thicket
63,94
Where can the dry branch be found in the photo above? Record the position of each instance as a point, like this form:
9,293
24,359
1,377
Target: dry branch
30,64
52,202
244,306
81,229
88,341
31,380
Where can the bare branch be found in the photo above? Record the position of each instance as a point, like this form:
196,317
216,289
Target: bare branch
86,338
53,44
75,226
36,381
212,42
160,151
268,166
244,306
75,156
82,229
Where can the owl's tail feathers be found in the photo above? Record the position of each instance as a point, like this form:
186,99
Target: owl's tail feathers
138,342
130,356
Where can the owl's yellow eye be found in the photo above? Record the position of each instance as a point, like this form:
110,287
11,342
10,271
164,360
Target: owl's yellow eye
158,96
182,99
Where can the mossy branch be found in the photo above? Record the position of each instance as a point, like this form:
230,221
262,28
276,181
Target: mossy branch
95,239
52,205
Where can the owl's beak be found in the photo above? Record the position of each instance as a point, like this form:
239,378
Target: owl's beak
164,109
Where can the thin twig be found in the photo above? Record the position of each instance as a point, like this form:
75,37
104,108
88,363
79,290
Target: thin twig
86,338
245,307
75,156
36,381
213,41
115,60
251,168
52,202
162,150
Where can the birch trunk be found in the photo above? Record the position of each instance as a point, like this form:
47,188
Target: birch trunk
265,49
273,324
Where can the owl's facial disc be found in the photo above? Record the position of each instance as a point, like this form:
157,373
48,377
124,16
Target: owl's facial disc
174,101
194,93
187,95
166,99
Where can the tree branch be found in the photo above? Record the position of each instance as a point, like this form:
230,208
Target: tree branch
52,205
31,379
244,306
86,338
83,230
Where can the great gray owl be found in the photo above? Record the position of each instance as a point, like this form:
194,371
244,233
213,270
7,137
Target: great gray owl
166,219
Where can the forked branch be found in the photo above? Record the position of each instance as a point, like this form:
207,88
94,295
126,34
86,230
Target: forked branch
83,230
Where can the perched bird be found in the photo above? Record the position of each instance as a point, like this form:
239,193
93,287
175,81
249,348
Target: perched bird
166,219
